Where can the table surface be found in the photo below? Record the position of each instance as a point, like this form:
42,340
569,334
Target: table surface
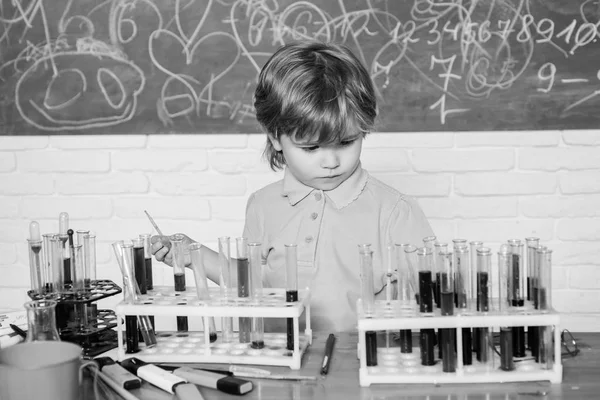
581,380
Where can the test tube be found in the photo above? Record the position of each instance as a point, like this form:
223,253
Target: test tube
89,240
448,335
124,255
516,291
545,306
484,269
139,262
531,244
427,336
473,246
35,258
256,293
464,294
291,293
366,279
243,286
506,332
202,285
56,263
77,266
178,274
225,284
81,241
429,243
438,250
390,282
148,259
48,275
63,223
406,288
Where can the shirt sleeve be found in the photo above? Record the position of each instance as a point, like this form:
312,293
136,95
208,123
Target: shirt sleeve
408,223
253,224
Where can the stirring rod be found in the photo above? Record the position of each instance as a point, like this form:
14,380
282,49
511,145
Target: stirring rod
154,224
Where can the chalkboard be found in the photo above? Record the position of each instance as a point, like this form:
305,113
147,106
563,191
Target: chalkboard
159,66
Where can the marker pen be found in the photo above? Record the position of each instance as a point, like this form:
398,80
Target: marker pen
162,379
118,374
224,383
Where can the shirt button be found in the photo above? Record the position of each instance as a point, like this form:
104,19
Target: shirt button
314,215
318,196
308,239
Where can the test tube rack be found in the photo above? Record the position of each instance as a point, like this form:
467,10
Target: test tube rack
405,368
94,329
195,346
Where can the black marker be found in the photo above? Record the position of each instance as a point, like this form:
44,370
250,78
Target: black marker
20,331
118,374
162,379
224,383
328,353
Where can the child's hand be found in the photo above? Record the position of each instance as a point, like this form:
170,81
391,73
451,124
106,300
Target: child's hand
161,248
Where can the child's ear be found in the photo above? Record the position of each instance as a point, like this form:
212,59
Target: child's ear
275,142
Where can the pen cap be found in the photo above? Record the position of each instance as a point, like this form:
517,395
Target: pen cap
152,374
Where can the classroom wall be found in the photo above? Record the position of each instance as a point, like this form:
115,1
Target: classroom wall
488,186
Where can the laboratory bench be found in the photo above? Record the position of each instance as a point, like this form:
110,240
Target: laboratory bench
581,379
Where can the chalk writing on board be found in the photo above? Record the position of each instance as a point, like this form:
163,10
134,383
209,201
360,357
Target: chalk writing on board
147,66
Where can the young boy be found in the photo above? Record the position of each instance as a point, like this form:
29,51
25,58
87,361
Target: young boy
317,103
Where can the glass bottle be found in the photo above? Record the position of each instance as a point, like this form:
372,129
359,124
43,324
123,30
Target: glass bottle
41,320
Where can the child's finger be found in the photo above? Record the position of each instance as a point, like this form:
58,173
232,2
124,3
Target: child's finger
161,254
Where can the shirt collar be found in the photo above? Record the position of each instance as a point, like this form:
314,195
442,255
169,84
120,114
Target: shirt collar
341,196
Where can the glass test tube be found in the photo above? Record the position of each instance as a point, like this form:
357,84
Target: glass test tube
63,223
545,305
506,332
473,246
148,259
439,248
139,262
429,243
48,274
91,238
291,293
85,268
178,275
202,286
256,293
484,351
406,291
225,284
448,335
77,268
464,298
531,244
56,263
427,336
35,258
124,255
243,287
390,282
516,292
90,272
366,279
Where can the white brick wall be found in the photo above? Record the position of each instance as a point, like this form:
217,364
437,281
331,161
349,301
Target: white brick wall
489,186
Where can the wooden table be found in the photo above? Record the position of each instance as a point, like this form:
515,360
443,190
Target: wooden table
581,380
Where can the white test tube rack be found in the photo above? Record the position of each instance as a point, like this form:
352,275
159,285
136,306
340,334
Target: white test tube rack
195,347
403,368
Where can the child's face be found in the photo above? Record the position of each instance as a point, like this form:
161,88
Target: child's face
322,167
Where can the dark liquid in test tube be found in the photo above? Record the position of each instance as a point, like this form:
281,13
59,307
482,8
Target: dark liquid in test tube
290,296
467,346
182,322
405,341
67,270
448,345
149,281
427,343
437,290
371,347
244,291
425,289
139,264
506,349
258,344
131,334
482,292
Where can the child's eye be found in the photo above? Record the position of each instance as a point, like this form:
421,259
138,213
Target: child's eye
310,148
347,142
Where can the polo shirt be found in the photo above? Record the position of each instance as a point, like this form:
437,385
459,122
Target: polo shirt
327,227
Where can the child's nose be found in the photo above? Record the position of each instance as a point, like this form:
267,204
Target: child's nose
330,159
